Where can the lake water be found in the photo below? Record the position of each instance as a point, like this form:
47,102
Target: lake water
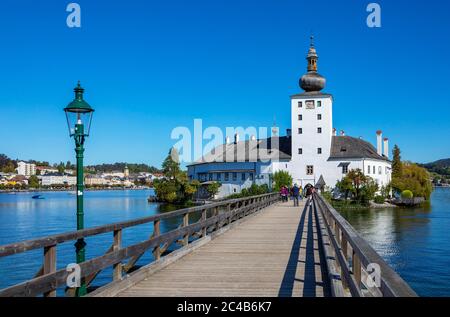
415,242
23,218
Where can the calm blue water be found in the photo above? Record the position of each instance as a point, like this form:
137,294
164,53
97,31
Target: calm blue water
415,242
23,218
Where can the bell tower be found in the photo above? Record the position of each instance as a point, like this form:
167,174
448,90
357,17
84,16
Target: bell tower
311,122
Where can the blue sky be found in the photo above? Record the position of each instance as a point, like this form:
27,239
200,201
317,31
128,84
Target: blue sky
150,66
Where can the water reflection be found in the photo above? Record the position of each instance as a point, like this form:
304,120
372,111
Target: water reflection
22,218
415,242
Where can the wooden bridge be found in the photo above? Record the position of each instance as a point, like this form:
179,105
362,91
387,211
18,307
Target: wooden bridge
255,246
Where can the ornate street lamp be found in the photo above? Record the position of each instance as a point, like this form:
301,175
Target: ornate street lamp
79,116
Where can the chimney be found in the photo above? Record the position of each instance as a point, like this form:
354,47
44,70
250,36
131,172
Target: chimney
379,141
236,138
252,138
342,133
386,147
334,132
227,140
289,132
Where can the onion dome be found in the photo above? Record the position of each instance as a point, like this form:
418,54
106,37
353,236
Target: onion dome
312,81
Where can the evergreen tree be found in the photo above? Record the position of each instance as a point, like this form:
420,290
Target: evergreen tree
171,167
396,163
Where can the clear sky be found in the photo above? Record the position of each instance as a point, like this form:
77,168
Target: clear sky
150,66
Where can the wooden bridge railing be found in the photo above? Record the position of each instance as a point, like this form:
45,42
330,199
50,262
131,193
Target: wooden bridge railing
48,279
350,258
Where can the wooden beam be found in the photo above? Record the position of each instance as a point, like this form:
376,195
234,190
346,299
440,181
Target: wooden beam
156,233
50,266
186,224
117,268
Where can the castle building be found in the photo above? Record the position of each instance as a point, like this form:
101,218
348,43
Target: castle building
312,151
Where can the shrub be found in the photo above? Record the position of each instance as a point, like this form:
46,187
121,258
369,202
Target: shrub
171,197
407,194
379,199
327,195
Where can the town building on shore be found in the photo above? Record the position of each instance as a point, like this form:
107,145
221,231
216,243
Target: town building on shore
57,179
26,169
46,170
311,151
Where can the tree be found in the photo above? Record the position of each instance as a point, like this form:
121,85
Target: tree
362,187
282,178
396,162
213,188
414,178
345,186
33,181
175,186
171,165
6,164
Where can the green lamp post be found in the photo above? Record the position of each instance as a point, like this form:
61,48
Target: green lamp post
79,117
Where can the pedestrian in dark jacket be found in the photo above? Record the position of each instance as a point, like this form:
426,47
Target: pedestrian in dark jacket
295,194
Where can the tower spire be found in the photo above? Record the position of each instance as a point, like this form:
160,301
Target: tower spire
312,81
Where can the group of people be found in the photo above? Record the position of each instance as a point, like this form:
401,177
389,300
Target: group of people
296,193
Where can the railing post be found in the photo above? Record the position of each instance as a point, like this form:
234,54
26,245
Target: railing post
156,233
204,217
216,213
117,268
230,217
336,232
185,224
356,269
50,265
344,250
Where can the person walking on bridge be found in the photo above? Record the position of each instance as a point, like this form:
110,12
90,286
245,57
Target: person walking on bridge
295,194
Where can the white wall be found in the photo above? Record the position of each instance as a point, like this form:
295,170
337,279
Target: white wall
310,140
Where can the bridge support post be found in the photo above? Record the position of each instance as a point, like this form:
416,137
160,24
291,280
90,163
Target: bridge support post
204,229
356,269
185,224
344,251
216,213
117,268
50,265
156,233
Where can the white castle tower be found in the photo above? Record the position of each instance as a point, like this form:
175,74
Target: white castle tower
312,125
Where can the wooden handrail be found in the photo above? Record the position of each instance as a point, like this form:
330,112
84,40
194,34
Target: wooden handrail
42,242
342,235
47,281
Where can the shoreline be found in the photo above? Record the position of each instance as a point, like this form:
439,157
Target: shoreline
22,191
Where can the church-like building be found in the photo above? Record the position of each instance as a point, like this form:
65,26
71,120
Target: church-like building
312,151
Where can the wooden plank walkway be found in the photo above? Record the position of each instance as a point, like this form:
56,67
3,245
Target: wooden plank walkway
275,253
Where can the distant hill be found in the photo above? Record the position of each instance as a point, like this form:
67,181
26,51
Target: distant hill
441,167
132,167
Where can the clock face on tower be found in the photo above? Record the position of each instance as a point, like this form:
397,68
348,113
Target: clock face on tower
309,104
